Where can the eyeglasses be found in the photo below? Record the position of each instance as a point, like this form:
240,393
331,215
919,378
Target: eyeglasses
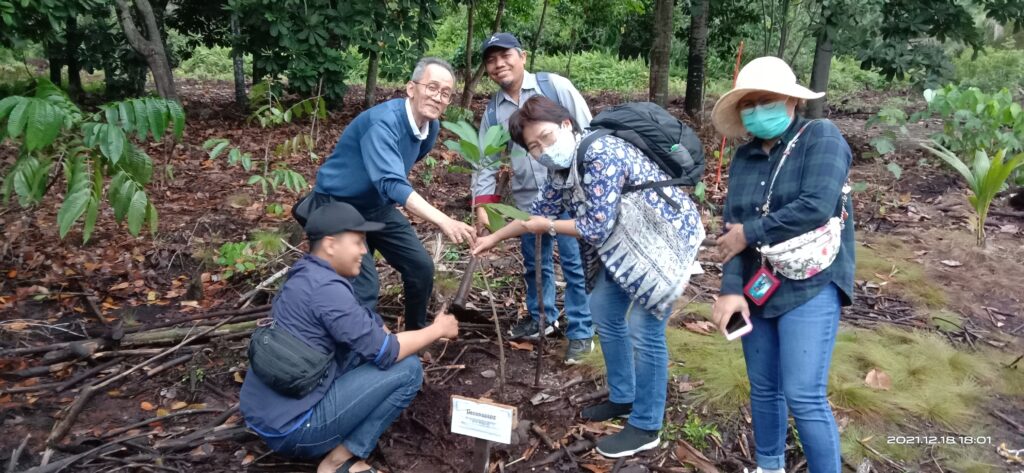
435,90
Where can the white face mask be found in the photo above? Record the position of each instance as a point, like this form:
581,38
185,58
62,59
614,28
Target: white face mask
558,155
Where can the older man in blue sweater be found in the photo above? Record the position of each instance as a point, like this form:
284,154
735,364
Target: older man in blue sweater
369,169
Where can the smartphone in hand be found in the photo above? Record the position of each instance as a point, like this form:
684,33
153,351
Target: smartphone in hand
738,326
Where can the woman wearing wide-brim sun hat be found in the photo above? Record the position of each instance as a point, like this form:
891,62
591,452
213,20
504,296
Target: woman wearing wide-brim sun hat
788,257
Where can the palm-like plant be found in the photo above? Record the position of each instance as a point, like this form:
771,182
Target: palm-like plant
986,176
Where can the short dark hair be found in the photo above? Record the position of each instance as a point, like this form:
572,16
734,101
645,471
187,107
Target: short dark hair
537,109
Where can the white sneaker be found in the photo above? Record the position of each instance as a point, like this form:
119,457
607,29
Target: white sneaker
759,470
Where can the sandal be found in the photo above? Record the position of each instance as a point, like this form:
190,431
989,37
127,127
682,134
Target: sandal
346,467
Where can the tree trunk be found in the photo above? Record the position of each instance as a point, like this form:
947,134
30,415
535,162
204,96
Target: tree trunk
696,57
56,64
467,73
819,73
536,37
241,98
467,93
661,51
371,80
784,34
148,44
74,40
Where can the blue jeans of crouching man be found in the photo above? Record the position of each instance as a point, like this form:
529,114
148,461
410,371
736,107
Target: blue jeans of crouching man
358,408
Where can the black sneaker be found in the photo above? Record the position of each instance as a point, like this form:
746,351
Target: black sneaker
627,442
577,350
606,410
528,329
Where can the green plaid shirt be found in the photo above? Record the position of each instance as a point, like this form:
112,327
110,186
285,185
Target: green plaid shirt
807,193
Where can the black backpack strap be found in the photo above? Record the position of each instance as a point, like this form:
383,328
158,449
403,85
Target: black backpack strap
581,149
679,181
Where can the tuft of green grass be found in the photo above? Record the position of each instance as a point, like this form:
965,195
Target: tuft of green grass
945,320
446,284
270,242
888,261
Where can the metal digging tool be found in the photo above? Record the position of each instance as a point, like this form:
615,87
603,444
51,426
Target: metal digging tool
459,308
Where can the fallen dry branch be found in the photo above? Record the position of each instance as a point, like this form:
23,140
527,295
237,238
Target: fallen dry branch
61,427
576,448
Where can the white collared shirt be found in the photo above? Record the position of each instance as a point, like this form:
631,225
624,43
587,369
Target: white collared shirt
420,133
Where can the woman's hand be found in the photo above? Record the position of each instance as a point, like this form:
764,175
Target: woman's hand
484,244
725,306
732,243
537,225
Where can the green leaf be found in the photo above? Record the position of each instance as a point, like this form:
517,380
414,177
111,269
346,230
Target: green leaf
152,217
895,169
137,212
883,145
465,132
982,164
508,211
459,170
112,143
44,123
93,209
177,117
127,117
157,118
18,117
73,206
949,158
495,221
141,118
247,161
218,148
137,164
7,104
254,179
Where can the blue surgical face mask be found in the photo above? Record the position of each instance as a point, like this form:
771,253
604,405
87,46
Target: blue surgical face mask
767,121
559,155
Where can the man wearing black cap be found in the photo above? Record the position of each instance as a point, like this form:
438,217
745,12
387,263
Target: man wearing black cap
374,374
505,61
369,169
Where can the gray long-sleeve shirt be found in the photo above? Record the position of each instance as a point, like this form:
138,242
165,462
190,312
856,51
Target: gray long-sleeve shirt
528,176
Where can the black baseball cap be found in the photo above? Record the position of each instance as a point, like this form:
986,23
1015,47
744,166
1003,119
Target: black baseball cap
337,217
499,40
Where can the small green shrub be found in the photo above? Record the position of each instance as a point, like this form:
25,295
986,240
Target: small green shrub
992,70
846,78
596,71
212,63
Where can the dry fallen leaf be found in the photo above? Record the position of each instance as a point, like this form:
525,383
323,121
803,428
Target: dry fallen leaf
878,379
687,386
592,468
16,326
161,412
952,263
249,458
702,327
179,405
193,304
525,346
239,378
687,454
147,406
120,286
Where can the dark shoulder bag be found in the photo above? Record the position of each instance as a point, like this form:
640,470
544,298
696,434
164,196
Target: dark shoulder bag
285,363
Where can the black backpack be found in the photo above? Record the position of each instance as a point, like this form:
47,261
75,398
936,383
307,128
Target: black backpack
664,139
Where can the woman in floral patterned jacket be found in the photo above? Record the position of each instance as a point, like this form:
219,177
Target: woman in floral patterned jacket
638,250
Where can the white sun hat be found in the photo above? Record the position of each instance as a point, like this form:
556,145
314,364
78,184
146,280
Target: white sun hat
764,74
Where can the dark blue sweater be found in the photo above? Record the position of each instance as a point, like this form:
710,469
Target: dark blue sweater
370,165
317,306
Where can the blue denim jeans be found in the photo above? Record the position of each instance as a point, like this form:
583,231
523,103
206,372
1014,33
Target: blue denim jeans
577,307
788,359
635,353
358,408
